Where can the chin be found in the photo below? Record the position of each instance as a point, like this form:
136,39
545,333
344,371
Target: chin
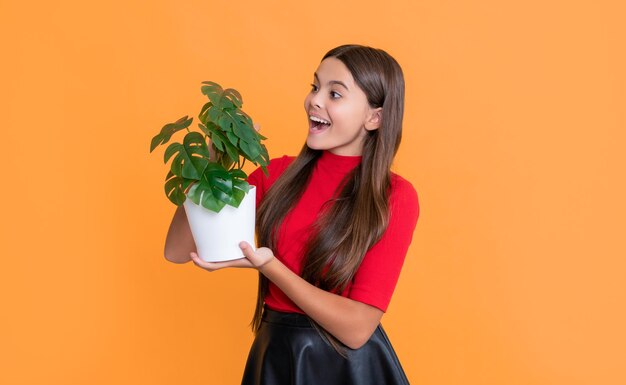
313,146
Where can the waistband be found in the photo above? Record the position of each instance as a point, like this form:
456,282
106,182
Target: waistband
289,319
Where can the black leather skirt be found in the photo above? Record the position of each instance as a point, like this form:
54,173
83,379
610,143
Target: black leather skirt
288,350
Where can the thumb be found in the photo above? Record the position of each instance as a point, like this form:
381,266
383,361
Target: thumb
258,257
246,248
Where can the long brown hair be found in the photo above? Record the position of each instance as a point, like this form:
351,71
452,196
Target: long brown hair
359,214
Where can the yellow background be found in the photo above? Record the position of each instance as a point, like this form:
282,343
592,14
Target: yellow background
514,139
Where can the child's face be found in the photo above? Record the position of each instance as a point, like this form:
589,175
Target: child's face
342,106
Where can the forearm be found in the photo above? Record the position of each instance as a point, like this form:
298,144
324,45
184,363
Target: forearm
351,322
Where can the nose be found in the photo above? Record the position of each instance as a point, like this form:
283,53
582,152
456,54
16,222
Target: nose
315,100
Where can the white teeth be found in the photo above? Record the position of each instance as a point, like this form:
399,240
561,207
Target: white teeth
316,119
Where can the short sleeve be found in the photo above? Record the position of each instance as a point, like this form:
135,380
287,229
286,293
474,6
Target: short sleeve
376,278
263,182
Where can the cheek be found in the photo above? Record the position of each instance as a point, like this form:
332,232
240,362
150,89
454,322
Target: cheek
343,113
349,118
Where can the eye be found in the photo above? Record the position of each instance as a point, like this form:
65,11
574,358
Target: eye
313,88
335,95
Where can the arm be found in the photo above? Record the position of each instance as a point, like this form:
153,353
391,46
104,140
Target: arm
351,322
179,242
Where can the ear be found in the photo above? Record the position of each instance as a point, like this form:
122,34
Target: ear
374,119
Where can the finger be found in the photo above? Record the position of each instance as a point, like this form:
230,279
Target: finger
241,262
200,262
257,126
246,249
212,266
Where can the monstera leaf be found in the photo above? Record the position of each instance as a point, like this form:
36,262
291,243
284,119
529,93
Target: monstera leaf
175,187
240,186
215,189
222,98
168,130
192,157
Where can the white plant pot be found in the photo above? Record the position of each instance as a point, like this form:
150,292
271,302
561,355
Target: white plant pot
217,235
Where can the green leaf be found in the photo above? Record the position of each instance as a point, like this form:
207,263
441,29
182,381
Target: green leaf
217,142
201,194
223,197
187,183
241,126
222,99
265,158
238,174
219,181
213,115
238,196
174,189
171,150
195,143
233,96
191,157
212,203
252,150
168,130
218,177
205,129
213,91
203,112
232,151
241,185
240,189
199,164
216,136
232,138
196,146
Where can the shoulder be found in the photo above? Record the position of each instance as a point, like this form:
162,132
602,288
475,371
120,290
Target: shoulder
274,169
403,197
280,164
402,189
277,166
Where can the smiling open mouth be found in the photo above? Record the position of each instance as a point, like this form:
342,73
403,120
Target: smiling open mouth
317,124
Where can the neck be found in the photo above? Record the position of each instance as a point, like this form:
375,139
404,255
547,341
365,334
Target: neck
338,163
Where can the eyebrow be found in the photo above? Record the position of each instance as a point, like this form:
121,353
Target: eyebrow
331,82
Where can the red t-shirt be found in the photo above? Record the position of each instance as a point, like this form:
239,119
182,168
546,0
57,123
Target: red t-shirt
376,278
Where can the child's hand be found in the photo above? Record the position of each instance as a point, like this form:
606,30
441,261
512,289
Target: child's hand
253,259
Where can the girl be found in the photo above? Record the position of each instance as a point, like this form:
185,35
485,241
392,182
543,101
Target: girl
336,225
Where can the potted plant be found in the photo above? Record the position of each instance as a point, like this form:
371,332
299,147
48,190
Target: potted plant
206,173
